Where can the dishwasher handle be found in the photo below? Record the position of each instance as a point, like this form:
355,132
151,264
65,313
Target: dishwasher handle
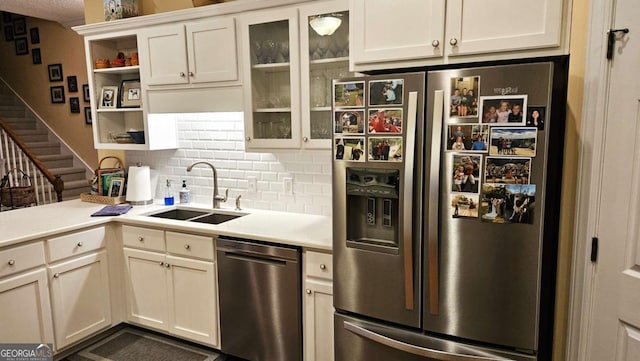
249,249
252,257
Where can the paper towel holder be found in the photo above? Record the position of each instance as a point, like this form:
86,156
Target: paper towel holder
139,185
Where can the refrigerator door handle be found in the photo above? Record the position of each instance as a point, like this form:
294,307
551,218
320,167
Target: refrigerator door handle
407,219
417,350
434,190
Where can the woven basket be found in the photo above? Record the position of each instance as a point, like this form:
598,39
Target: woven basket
17,196
94,198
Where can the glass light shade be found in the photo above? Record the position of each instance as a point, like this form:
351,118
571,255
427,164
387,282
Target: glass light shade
325,25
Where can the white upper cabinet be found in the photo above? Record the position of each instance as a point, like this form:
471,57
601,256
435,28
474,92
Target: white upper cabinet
502,25
386,31
394,34
195,52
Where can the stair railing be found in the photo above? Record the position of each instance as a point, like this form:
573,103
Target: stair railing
15,154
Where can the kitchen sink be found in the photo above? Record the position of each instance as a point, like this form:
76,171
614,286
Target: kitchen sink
200,216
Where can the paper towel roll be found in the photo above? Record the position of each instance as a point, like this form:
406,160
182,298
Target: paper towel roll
139,185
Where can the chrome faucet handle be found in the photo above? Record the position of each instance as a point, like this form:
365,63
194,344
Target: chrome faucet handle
226,195
238,202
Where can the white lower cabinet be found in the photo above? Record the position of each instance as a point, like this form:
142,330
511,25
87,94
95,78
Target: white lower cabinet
25,310
318,307
80,297
174,294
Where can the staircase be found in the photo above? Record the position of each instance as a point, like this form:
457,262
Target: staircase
44,144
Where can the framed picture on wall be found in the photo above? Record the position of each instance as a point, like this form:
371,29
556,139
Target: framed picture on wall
86,96
22,46
55,72
8,33
74,104
35,35
87,115
36,56
57,94
19,26
6,17
72,84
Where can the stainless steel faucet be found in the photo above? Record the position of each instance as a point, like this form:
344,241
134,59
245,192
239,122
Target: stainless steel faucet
216,197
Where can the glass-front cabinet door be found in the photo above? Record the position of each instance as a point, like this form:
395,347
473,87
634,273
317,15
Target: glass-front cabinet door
272,90
324,56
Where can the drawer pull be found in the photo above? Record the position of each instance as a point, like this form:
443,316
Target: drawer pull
308,291
56,275
12,262
140,238
186,246
323,266
80,244
435,43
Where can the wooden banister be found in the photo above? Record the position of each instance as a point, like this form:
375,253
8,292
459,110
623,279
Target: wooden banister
55,180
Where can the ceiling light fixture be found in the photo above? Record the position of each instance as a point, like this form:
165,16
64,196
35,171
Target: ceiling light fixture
325,24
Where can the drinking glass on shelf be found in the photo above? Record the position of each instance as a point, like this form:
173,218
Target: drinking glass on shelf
284,52
258,51
271,51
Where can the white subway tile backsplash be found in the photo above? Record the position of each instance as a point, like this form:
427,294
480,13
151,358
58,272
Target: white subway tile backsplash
218,138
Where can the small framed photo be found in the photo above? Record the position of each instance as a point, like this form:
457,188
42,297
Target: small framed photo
465,173
72,84
108,97
535,117
57,94
348,94
463,98
74,104
386,92
467,137
55,72
36,56
507,170
8,33
22,46
130,94
464,205
87,115
518,141
351,149
503,109
86,96
387,120
35,35
349,121
19,26
116,187
387,149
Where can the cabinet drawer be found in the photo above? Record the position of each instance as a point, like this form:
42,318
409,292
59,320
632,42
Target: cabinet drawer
21,258
144,238
76,243
319,265
190,245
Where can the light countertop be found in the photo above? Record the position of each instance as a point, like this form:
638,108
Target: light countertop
304,230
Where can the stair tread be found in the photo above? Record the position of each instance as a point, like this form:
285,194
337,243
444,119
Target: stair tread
31,132
76,184
66,170
55,157
40,144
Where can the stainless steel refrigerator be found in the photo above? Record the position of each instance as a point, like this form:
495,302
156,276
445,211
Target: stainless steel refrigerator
446,188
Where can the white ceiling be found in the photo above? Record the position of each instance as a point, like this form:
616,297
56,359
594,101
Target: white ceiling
66,12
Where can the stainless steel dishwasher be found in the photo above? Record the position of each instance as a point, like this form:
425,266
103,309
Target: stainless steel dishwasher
260,300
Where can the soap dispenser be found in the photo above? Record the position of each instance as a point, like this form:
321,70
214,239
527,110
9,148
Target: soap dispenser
168,195
185,193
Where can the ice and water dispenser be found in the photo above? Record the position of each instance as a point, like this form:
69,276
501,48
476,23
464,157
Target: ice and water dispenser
373,208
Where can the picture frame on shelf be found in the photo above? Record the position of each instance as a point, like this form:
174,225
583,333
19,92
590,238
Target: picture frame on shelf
36,56
22,46
108,97
20,26
116,186
34,34
55,72
57,94
72,84
130,94
87,116
8,33
86,95
74,104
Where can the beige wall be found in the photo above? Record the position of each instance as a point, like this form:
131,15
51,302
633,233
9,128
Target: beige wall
93,9
31,82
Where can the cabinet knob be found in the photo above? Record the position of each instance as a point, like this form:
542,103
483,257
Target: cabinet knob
182,74
186,246
161,264
191,73
308,291
140,239
248,139
453,41
80,244
11,262
323,266
305,139
56,275
167,265
435,43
